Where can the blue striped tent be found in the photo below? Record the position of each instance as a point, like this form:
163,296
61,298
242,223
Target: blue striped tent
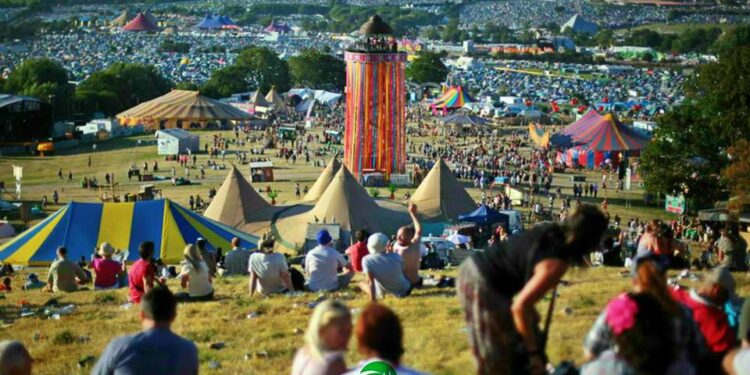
80,227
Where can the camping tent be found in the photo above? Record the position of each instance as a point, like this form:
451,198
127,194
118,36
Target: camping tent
181,106
122,19
141,23
345,203
80,227
235,201
320,185
579,25
484,215
453,98
274,99
440,196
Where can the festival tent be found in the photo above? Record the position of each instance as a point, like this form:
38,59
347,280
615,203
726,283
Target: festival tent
274,99
181,106
453,98
122,19
210,22
440,196
464,119
275,27
320,185
81,227
141,23
484,215
258,100
346,203
579,25
6,229
601,133
150,16
236,201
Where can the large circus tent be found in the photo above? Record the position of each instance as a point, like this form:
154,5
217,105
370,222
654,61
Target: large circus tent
211,22
81,227
181,108
141,22
453,98
592,139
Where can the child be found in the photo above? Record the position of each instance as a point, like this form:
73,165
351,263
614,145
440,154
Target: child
5,287
32,282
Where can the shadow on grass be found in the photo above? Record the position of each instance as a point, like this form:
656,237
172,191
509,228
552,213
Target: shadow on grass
434,292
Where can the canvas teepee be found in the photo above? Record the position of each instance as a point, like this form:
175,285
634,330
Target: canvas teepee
235,201
323,180
440,196
275,100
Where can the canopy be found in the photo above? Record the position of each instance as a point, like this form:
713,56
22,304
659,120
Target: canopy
484,215
182,105
122,19
235,201
275,27
600,133
464,119
440,196
320,185
81,227
454,98
141,23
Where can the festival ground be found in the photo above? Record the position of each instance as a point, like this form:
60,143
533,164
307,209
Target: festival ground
435,338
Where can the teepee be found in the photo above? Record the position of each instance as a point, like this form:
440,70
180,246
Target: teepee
275,100
122,19
235,201
440,196
320,185
258,100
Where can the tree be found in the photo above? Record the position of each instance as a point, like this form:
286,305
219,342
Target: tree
119,87
44,79
265,69
732,39
737,173
227,81
427,67
185,85
313,68
604,38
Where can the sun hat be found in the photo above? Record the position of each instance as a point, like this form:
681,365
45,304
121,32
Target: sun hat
377,243
106,250
324,238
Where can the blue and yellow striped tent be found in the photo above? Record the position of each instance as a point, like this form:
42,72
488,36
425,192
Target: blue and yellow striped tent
81,226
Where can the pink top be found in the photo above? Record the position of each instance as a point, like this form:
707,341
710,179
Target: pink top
106,272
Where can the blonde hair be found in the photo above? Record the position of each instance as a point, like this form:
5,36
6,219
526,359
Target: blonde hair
324,314
193,256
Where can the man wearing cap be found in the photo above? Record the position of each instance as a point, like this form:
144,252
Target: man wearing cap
269,272
322,265
705,303
65,275
383,270
107,270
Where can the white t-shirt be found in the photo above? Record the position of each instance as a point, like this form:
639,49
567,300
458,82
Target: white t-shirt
199,285
321,265
387,270
268,268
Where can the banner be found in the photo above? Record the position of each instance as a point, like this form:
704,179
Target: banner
675,204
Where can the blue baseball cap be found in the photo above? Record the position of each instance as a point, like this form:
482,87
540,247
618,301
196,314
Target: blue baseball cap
324,238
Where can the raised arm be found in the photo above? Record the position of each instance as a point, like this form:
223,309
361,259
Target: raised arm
417,224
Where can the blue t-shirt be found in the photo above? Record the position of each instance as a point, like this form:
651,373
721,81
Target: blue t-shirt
156,351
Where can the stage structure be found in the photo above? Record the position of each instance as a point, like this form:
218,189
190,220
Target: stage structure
375,135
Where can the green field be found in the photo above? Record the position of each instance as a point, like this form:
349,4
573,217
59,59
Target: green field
677,28
435,339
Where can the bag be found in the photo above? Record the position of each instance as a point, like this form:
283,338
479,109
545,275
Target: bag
432,261
298,279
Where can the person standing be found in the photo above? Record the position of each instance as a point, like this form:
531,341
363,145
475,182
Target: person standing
65,275
498,289
155,350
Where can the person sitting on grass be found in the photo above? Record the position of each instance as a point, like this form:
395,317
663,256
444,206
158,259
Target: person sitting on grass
65,275
643,332
236,260
322,264
107,270
380,339
409,247
5,286
142,275
358,250
326,340
384,271
33,282
155,350
195,277
269,272
14,358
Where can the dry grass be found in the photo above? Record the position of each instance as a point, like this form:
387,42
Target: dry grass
435,339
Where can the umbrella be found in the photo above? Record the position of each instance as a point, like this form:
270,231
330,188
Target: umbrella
458,239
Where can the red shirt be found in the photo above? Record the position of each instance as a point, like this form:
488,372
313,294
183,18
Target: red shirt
356,252
138,271
711,320
106,272
5,288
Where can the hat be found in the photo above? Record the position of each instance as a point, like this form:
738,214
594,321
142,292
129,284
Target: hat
723,278
32,277
200,241
660,262
377,243
106,250
324,238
